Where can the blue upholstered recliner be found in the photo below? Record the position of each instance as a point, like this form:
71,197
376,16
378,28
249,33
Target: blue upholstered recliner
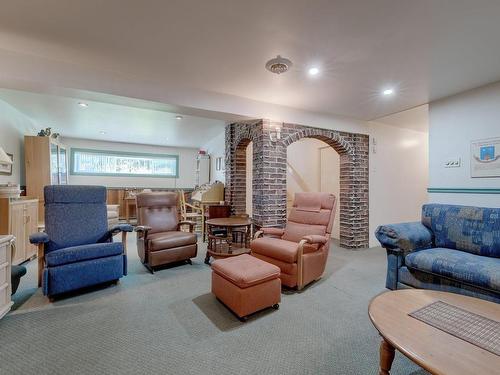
77,249
454,249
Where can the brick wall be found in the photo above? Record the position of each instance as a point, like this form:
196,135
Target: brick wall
269,174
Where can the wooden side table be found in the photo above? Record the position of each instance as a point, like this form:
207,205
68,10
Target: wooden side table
220,246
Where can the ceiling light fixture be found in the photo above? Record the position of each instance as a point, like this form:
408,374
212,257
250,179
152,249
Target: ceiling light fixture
278,65
83,105
313,71
178,117
388,92
102,132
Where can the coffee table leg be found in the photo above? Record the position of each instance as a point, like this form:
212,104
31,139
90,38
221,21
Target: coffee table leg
386,357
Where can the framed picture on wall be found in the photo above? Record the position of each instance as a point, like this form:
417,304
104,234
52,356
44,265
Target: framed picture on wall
485,158
6,169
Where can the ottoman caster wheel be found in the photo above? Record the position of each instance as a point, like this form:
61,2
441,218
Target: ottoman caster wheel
276,306
243,319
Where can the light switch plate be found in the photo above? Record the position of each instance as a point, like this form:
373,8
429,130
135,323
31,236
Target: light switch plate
453,163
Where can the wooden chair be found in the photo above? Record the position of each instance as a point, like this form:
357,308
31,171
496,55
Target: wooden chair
190,212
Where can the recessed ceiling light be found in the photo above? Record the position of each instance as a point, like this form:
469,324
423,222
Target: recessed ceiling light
388,92
178,117
102,132
313,71
83,105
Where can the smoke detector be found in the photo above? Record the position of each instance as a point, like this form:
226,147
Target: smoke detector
278,65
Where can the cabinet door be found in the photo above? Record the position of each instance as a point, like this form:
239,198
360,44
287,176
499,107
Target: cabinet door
31,219
63,166
17,229
54,164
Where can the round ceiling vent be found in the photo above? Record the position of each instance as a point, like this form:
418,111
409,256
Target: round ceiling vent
278,65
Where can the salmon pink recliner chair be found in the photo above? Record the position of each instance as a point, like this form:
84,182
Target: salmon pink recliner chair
300,250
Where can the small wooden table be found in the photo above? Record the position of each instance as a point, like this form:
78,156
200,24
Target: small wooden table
228,224
434,350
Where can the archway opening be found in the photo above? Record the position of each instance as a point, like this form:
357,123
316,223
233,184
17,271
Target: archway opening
313,166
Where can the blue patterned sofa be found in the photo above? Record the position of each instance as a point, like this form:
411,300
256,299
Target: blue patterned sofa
453,248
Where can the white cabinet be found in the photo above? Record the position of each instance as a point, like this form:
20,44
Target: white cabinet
5,266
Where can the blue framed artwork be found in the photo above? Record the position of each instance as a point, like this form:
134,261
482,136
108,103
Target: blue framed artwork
485,158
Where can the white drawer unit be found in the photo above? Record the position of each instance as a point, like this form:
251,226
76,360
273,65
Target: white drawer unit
5,265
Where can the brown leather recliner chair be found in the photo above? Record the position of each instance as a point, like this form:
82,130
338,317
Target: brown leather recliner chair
159,239
301,249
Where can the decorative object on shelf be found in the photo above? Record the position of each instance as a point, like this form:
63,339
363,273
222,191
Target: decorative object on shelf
6,161
485,158
45,132
9,190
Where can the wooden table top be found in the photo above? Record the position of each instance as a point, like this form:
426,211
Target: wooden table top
434,350
233,221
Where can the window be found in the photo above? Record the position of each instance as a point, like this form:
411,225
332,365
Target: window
129,164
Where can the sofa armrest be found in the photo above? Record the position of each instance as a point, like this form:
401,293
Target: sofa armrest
39,238
404,238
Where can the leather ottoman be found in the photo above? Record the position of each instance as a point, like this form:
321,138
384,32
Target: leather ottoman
246,284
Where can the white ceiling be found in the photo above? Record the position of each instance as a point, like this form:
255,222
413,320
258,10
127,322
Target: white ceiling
121,123
213,52
414,119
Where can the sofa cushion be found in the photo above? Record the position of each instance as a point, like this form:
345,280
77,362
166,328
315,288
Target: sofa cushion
458,265
245,270
83,252
472,229
169,240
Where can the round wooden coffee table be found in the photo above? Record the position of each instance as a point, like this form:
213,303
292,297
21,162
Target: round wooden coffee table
222,246
431,348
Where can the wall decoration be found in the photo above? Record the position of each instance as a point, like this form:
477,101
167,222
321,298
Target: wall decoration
6,169
485,158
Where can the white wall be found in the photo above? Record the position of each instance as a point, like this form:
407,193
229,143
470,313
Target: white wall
216,147
454,123
187,165
312,165
13,126
398,175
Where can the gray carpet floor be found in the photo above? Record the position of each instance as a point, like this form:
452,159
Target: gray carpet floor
169,323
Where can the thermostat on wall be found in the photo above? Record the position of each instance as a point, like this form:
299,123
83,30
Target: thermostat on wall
453,163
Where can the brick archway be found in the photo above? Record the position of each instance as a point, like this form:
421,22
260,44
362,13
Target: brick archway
269,174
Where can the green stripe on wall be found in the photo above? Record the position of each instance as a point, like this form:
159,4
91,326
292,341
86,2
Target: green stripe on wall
463,190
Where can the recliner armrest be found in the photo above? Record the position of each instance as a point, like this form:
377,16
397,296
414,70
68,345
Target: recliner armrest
121,228
271,231
144,229
39,238
404,238
315,239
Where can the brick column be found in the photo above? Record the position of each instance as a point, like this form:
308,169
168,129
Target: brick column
269,174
